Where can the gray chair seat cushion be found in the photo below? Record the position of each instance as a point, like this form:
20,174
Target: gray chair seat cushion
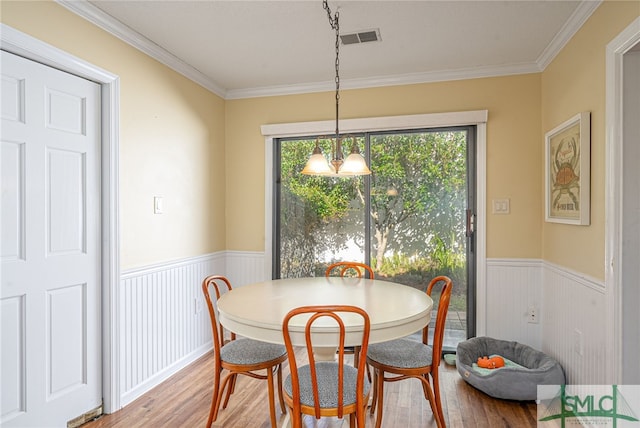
403,353
510,383
249,351
327,385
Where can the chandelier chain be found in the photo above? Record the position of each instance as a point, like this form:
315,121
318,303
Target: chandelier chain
317,164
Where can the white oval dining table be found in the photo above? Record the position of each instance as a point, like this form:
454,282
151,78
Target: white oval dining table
256,310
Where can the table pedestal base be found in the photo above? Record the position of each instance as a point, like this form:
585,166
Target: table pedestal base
325,354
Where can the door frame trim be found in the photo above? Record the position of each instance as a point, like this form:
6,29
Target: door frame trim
430,120
16,42
615,51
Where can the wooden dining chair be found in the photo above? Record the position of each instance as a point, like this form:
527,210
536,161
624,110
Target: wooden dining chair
406,358
239,357
326,388
347,268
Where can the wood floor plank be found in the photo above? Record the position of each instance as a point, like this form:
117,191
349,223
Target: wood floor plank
184,399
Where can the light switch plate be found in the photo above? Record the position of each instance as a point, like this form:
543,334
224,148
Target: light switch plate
500,206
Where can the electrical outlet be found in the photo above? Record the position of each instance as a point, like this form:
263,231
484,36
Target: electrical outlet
578,345
532,315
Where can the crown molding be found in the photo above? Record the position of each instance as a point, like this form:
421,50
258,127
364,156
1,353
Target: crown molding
111,25
99,18
372,82
568,30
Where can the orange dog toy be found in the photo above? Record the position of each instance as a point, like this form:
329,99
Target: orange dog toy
491,363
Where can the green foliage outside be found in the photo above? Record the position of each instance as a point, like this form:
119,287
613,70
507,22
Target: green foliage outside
417,203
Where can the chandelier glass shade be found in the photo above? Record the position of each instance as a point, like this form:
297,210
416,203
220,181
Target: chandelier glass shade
352,165
317,163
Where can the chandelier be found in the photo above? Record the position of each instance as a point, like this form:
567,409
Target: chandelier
355,163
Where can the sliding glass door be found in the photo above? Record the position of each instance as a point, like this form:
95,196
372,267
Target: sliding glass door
411,220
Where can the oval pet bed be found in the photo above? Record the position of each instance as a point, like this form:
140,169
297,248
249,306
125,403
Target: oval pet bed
525,368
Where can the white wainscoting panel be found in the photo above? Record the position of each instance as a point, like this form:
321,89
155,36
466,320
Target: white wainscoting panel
245,267
165,323
571,309
573,325
513,287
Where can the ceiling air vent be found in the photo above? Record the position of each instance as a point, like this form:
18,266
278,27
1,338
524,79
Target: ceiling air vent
361,37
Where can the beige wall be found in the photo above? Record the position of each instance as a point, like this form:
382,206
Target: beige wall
171,139
572,83
513,143
174,135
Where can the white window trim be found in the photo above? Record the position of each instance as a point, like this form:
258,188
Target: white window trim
372,124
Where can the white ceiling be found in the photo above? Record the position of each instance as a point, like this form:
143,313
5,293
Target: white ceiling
241,48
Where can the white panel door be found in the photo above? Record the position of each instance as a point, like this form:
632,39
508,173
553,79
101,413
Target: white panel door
50,224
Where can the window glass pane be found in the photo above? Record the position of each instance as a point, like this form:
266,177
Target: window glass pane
407,219
321,218
418,202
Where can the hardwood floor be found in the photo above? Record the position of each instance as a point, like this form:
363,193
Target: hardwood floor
184,399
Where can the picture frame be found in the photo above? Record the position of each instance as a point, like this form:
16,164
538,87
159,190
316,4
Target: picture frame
568,171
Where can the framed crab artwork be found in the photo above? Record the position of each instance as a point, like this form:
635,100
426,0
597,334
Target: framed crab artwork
568,171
